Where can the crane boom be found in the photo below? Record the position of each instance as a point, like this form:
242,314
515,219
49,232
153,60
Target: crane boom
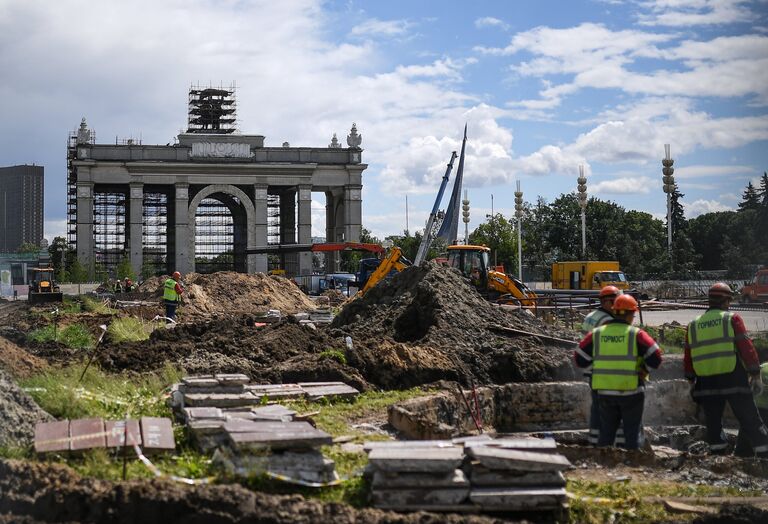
428,237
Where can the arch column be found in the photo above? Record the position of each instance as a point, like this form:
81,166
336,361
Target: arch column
250,222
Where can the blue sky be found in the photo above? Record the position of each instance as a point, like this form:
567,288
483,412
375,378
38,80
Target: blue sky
543,85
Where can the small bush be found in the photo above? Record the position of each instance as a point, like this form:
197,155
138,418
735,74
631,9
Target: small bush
334,354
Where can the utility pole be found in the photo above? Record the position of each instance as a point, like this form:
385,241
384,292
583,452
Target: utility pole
407,226
493,231
519,215
582,196
669,188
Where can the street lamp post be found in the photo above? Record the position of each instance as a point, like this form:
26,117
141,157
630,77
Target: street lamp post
519,215
582,196
669,188
465,216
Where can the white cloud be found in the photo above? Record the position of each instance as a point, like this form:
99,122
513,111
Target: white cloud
54,228
375,27
702,206
687,172
489,21
624,186
681,13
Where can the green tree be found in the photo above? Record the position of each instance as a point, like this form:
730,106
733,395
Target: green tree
58,253
77,272
124,269
707,232
350,260
537,249
28,248
733,258
499,234
750,199
642,239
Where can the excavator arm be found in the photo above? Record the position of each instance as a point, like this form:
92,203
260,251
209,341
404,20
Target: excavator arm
506,285
394,261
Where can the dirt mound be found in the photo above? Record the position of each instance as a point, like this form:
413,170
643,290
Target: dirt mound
18,362
18,414
428,323
230,293
38,492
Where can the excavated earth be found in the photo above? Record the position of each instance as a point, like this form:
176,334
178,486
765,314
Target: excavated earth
38,492
18,414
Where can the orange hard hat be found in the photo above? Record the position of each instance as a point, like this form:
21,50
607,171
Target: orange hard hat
609,291
625,303
176,274
721,289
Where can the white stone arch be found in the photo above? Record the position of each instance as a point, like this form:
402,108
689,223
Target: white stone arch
250,220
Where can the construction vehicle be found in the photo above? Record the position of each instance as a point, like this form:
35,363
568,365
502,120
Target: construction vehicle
373,271
473,262
587,275
44,289
757,290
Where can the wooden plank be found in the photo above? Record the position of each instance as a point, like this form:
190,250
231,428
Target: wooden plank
116,432
519,499
451,479
511,459
280,439
484,477
407,444
423,498
52,436
157,435
416,459
87,433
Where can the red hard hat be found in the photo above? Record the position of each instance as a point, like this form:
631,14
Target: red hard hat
625,303
721,289
176,274
610,291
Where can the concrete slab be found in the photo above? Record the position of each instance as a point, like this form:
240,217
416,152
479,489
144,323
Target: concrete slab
273,412
288,438
423,498
157,435
335,390
519,499
87,433
451,479
485,477
220,400
116,432
276,391
260,426
52,436
407,444
232,379
426,460
206,426
200,381
541,445
203,413
510,459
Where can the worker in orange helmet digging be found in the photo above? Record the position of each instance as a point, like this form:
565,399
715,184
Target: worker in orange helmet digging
620,355
598,317
172,291
722,365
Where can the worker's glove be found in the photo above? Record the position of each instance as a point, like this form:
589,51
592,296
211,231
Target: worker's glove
756,385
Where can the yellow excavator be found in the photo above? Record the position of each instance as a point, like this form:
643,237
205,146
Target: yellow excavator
394,261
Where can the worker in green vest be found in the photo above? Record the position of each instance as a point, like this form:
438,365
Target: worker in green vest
620,356
723,367
172,291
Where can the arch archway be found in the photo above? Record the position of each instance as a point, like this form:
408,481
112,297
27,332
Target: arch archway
243,216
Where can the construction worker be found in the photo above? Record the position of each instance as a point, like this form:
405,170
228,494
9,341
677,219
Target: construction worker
743,447
722,365
598,317
620,355
172,291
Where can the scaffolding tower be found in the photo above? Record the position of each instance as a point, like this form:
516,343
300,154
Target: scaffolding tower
154,233
109,227
214,237
212,110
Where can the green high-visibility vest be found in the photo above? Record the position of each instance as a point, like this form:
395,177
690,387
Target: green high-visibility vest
169,290
595,319
712,342
615,364
762,399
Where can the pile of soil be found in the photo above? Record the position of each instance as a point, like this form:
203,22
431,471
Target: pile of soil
429,323
230,293
17,361
18,414
39,492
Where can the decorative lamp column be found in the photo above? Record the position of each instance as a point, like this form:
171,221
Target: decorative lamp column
519,215
669,188
581,194
465,216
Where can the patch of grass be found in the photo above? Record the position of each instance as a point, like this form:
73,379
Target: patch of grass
93,305
670,338
75,336
100,394
129,329
70,305
334,354
624,501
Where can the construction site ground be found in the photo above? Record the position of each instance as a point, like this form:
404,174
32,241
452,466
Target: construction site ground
424,331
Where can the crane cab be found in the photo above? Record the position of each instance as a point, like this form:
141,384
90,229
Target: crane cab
472,261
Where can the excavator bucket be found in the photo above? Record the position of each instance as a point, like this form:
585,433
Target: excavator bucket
45,297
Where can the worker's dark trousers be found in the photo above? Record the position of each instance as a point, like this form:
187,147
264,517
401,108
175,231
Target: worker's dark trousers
751,427
616,410
170,309
743,447
594,424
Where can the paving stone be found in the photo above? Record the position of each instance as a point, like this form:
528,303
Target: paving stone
277,391
485,437
338,390
406,444
287,437
485,477
116,432
542,445
52,436
203,413
273,412
206,426
451,479
511,459
200,381
232,379
219,389
220,400
237,425
416,459
424,497
518,499
157,435
87,433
